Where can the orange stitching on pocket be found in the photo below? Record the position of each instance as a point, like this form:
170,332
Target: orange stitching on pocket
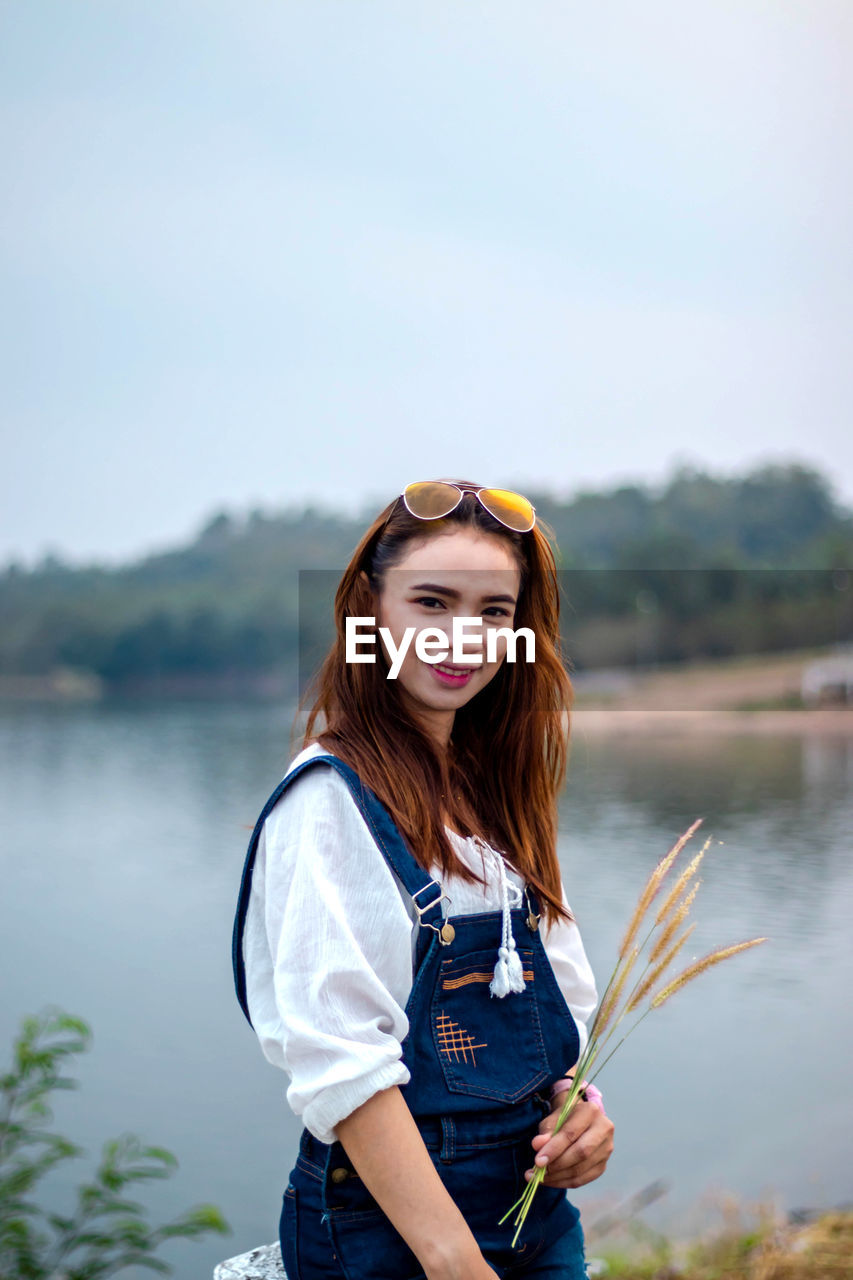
455,1040
450,984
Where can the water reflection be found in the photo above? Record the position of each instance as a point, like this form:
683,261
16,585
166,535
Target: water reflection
123,834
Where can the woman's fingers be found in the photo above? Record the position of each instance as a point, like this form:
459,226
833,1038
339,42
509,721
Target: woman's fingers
584,1128
578,1176
579,1151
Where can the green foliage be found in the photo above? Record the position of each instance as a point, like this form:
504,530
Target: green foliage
107,1231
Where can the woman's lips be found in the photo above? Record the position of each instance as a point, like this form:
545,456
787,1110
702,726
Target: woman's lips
455,678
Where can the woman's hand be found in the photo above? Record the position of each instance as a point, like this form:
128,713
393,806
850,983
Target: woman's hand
579,1152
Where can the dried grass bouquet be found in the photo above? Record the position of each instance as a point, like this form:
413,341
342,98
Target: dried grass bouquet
653,984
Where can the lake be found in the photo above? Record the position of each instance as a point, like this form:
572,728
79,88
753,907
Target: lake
124,828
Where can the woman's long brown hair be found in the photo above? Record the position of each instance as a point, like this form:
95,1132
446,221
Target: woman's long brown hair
506,760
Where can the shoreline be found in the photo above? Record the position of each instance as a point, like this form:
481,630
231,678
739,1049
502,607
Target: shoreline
754,694
836,721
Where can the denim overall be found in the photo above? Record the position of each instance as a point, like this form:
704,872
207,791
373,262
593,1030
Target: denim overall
481,1068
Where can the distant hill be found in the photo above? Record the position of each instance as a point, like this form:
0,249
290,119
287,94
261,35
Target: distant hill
700,566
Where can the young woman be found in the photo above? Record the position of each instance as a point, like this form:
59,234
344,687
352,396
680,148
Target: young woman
403,945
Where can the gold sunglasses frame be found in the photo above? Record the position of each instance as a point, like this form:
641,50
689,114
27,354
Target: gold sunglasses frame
449,484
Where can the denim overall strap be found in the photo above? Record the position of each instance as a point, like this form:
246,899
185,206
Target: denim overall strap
425,893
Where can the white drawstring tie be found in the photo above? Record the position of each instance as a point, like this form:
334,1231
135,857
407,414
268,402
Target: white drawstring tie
508,972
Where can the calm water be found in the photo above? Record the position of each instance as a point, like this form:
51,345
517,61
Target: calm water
123,835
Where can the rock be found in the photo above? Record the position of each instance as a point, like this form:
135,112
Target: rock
263,1263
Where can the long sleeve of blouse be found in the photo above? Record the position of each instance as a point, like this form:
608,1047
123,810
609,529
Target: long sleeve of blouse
328,949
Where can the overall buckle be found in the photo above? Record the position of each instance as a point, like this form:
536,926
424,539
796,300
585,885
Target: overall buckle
446,933
532,917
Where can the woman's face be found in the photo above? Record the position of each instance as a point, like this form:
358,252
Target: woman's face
465,574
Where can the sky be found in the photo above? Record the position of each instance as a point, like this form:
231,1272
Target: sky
259,254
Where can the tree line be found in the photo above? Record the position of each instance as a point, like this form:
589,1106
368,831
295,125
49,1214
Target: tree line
703,566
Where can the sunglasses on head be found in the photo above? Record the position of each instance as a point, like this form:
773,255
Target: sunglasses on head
431,499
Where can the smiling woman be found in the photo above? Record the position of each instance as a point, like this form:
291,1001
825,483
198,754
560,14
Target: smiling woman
422,1044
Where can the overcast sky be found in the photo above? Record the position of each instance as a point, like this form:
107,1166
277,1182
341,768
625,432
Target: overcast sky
258,252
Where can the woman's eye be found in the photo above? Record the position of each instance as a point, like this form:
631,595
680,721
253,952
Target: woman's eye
492,611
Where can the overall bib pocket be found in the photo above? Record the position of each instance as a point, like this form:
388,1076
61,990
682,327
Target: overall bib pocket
488,1046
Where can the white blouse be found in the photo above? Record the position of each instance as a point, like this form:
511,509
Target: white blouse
329,943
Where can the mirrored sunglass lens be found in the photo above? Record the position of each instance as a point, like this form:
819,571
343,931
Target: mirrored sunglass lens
430,499
514,510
